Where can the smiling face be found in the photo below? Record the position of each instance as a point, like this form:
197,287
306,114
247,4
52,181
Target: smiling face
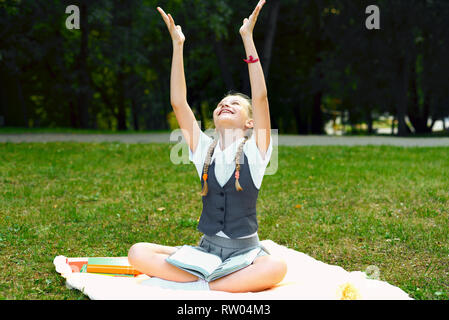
233,112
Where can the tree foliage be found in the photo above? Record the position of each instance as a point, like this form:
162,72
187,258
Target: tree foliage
319,60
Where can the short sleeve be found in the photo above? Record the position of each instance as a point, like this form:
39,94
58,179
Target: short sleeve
199,156
257,164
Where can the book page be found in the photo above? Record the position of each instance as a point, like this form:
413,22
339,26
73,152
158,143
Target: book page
188,256
234,263
242,259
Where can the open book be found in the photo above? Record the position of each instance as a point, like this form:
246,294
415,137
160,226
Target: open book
209,266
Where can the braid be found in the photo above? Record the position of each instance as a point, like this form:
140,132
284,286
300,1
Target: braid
207,162
238,187
206,166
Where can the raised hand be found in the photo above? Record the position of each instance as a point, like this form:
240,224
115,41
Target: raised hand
248,23
175,31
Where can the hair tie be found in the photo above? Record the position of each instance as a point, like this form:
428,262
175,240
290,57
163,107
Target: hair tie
251,60
205,189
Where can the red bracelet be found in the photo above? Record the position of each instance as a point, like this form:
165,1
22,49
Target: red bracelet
251,60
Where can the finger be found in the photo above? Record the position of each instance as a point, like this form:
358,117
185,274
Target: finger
164,16
172,21
253,18
254,15
162,12
258,8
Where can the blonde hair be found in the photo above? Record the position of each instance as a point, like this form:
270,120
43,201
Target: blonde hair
238,154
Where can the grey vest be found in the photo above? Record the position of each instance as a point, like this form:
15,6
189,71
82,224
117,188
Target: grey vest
228,210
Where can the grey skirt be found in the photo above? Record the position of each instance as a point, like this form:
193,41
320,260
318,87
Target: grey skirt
225,248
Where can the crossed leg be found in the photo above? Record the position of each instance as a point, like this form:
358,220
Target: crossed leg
263,273
149,258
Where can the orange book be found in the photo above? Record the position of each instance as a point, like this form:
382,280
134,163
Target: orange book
113,265
112,269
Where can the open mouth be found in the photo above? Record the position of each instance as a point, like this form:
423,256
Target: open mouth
225,111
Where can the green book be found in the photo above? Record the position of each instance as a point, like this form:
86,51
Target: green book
108,261
209,266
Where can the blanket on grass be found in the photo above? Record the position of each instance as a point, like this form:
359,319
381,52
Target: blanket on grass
306,278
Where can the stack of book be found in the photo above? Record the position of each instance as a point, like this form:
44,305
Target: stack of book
111,266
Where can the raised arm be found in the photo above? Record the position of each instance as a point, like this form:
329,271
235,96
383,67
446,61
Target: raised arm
259,97
178,89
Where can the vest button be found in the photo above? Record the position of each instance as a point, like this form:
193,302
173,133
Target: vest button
222,209
221,193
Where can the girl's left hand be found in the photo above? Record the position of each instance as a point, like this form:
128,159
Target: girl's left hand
248,23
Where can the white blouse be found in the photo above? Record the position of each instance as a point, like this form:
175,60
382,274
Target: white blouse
225,162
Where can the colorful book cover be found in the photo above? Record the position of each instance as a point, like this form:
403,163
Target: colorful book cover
108,261
115,275
76,264
111,266
108,265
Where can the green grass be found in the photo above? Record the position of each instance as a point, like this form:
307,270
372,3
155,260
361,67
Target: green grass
22,130
359,206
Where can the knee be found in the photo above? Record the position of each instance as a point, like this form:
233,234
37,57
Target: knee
137,252
278,269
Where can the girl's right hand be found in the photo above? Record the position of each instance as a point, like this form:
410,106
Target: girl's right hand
175,31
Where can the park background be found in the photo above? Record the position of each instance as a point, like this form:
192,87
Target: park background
326,73
320,61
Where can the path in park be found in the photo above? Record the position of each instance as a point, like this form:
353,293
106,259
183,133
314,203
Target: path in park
287,140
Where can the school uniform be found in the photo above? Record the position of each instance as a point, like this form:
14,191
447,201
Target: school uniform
229,219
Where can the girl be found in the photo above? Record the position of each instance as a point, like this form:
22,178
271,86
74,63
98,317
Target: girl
231,169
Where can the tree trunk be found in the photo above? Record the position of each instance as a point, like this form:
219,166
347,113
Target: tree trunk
269,36
83,94
245,84
224,67
22,102
3,101
317,114
401,105
74,123
369,121
317,117
135,113
121,114
417,117
301,121
393,125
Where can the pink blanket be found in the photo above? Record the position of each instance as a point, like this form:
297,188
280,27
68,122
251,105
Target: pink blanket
306,278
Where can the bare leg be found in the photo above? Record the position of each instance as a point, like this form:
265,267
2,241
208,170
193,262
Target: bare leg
263,273
149,258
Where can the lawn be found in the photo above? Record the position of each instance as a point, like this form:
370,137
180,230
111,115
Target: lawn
350,206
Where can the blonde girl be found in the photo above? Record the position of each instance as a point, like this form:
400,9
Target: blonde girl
231,168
